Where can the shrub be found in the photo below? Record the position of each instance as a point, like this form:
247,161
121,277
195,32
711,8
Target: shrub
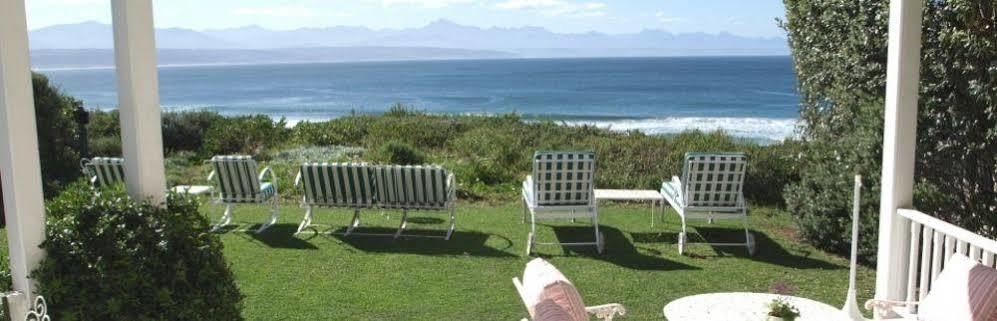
419,130
349,131
251,135
399,153
56,135
185,131
105,146
111,258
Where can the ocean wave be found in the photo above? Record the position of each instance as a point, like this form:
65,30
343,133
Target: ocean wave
771,129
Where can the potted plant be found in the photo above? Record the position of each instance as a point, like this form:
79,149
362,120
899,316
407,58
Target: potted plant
780,310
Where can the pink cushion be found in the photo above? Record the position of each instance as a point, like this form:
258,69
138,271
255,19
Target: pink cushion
567,299
548,310
964,291
537,276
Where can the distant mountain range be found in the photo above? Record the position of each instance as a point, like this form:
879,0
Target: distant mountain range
88,44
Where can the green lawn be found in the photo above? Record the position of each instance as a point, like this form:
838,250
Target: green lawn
328,277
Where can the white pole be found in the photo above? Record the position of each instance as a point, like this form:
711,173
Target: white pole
851,301
20,172
138,99
899,139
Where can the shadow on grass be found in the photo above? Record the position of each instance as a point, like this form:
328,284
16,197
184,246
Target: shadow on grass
422,242
767,249
619,250
279,236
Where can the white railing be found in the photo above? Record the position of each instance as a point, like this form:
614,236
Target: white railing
932,242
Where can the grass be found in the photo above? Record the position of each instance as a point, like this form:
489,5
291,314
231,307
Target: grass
318,276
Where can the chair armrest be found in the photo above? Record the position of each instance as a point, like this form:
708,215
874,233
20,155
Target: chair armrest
886,309
211,176
529,190
607,312
520,290
84,167
297,179
451,187
264,172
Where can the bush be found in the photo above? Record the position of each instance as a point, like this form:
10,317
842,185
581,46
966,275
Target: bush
399,153
111,258
185,131
349,131
56,135
105,146
251,135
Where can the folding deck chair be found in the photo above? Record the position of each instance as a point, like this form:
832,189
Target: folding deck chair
237,182
710,189
342,185
416,188
103,171
561,187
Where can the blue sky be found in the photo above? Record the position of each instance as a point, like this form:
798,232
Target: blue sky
741,17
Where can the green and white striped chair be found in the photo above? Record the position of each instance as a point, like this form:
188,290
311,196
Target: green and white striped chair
561,187
237,182
426,188
710,189
343,185
103,171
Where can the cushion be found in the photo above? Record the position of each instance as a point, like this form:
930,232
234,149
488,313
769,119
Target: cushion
538,275
964,291
567,299
548,310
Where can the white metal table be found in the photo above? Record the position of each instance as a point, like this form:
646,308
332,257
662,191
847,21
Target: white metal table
192,189
655,197
738,306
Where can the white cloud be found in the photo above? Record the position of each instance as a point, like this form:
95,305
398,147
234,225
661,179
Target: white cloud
284,11
423,3
556,7
665,18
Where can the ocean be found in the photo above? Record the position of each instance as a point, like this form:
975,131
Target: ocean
751,97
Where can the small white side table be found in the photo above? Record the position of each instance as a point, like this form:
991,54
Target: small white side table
192,189
655,197
742,306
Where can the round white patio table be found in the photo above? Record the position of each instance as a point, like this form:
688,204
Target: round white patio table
742,306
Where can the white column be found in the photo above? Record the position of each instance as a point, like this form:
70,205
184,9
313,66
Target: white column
19,168
899,140
138,98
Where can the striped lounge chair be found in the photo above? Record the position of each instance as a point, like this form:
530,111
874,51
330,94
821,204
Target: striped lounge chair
237,182
710,189
561,187
335,185
103,171
422,188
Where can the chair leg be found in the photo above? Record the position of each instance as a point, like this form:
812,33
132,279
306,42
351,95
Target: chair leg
306,221
354,223
531,237
452,225
683,236
749,240
273,218
401,227
526,211
600,245
224,220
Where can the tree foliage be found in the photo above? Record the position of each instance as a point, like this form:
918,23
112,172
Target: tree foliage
56,135
839,50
